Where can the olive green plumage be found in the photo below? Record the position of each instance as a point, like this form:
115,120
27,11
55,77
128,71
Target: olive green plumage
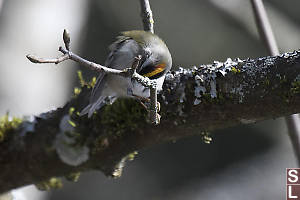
155,63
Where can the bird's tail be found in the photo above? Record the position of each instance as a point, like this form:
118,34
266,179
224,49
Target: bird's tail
92,107
85,110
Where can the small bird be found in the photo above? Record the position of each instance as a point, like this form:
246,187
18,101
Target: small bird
155,62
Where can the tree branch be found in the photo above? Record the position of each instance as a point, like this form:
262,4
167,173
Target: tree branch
147,16
204,98
268,37
129,72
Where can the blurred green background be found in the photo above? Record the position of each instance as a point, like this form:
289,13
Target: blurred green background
246,162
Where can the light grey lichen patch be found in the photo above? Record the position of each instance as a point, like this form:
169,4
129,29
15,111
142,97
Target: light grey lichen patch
247,121
186,72
169,77
261,67
213,86
239,92
269,61
197,101
199,89
297,78
181,88
65,144
229,65
232,79
182,96
180,110
164,98
290,56
207,81
178,80
117,172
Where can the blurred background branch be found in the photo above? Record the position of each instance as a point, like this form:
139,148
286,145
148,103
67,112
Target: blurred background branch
267,35
1,2
147,16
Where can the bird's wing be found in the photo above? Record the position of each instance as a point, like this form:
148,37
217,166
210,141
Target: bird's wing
121,56
122,53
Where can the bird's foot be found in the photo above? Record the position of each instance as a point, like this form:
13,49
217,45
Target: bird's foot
146,103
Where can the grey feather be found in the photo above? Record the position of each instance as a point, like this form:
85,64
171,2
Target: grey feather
121,56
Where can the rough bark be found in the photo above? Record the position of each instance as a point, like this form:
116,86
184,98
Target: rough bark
195,100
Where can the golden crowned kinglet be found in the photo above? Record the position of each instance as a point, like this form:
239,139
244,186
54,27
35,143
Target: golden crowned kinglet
155,62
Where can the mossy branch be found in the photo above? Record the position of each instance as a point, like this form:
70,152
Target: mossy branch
127,72
193,101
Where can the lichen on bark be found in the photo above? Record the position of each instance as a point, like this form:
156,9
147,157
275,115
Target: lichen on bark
193,101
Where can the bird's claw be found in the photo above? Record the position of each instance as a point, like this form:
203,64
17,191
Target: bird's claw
158,106
158,118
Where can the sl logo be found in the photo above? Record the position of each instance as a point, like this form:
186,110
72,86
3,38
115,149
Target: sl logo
292,183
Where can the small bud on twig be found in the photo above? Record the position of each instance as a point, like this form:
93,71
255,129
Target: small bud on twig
130,72
67,39
33,58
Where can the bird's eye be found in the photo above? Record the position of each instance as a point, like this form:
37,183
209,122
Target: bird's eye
153,71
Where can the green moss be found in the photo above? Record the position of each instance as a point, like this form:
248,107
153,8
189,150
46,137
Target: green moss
52,183
206,137
122,116
100,144
289,89
283,79
92,82
80,78
71,110
74,177
220,99
132,155
72,123
266,82
83,82
235,70
295,89
77,91
206,98
7,125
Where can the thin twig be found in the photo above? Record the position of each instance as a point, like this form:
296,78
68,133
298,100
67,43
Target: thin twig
67,39
147,16
38,60
145,81
72,56
153,106
92,65
128,72
268,37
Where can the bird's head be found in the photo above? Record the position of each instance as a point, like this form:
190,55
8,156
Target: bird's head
157,60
